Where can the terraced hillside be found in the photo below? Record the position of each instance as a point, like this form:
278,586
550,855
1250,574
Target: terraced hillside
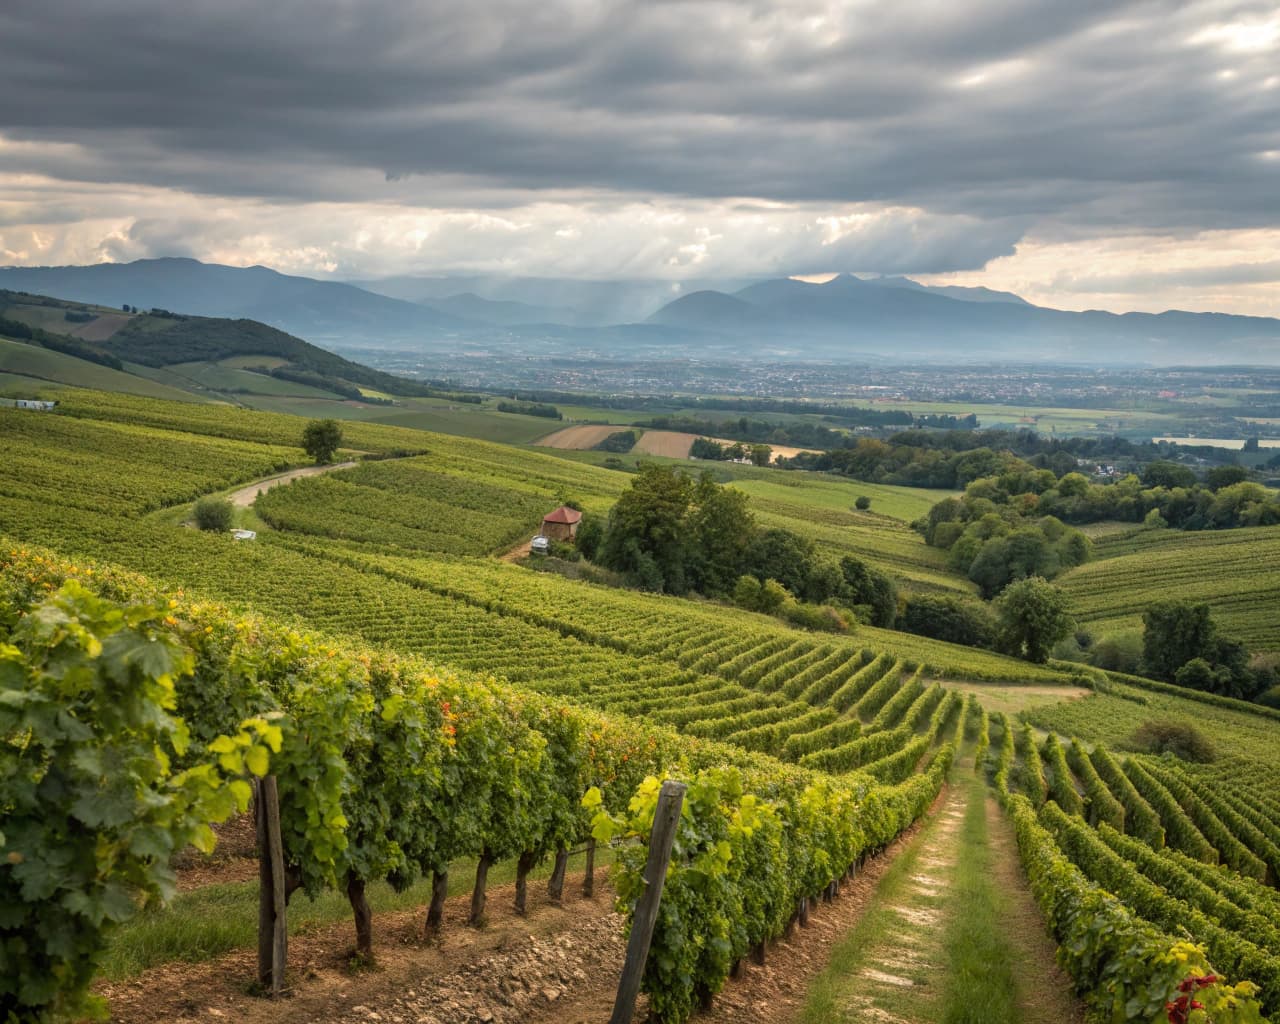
1235,572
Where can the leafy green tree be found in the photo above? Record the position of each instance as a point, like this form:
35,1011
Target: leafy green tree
1224,476
646,538
862,585
720,529
320,440
783,556
1174,633
1167,474
213,514
862,503
761,454
1033,616
949,618
589,536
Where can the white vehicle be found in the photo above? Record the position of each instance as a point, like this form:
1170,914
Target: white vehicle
540,545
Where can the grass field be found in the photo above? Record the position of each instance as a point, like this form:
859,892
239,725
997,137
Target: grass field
31,361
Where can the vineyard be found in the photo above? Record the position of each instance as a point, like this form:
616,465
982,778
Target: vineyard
1235,572
418,705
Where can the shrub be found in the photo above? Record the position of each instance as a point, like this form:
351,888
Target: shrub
863,503
1181,740
213,514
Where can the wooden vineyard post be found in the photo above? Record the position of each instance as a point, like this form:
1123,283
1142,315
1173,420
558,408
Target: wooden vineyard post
665,819
273,934
589,879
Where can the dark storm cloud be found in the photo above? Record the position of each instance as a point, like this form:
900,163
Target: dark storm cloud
1103,109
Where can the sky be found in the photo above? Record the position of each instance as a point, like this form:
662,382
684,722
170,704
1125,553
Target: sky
1115,155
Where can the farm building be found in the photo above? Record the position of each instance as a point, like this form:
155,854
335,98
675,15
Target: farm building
32,403
562,524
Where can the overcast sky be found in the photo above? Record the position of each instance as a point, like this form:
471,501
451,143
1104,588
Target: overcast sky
1121,155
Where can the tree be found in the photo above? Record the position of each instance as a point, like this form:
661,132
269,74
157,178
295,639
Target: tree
647,534
1167,474
1033,616
1174,633
862,585
720,528
1224,476
761,454
213,514
589,536
949,618
863,503
783,556
320,440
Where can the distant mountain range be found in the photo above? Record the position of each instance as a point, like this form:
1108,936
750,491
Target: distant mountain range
901,317
885,318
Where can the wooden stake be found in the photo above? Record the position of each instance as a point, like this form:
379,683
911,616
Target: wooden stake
273,932
665,819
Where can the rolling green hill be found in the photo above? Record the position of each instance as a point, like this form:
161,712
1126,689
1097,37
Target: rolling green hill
161,339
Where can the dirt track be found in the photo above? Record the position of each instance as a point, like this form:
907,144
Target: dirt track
244,497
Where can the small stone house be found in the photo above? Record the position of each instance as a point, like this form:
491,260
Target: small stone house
562,524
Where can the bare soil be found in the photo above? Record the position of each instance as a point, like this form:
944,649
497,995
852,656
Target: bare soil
534,968
579,438
102,328
670,444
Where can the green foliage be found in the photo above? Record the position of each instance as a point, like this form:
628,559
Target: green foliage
213,514
1126,967
749,846
953,619
620,442
115,470
94,803
549,412
1061,784
1181,739
1031,773
1100,805
1033,616
406,505
862,585
862,503
320,440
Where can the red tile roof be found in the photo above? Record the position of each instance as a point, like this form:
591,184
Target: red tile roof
564,514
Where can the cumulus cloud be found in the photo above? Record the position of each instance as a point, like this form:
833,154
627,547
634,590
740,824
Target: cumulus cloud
609,137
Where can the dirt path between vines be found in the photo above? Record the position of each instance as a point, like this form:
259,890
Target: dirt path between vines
244,496
899,967
1046,993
